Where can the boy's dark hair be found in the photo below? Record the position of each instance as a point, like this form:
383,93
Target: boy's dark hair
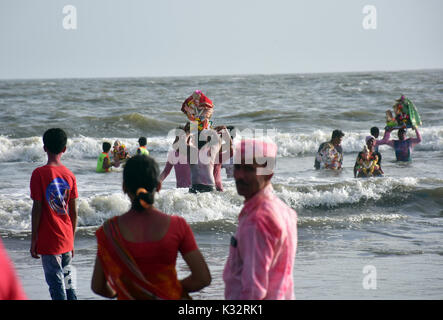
375,131
142,141
141,171
106,146
337,134
55,140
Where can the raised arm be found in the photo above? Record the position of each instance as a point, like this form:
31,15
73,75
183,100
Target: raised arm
417,140
385,139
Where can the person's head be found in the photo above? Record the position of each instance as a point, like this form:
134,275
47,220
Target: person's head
106,146
140,181
402,133
116,143
370,142
253,166
54,140
142,141
375,132
337,136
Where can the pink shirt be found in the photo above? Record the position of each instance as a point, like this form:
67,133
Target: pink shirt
262,252
181,167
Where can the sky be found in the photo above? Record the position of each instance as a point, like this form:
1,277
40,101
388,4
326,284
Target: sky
154,38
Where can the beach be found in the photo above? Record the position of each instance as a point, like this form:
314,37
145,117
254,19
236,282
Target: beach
348,229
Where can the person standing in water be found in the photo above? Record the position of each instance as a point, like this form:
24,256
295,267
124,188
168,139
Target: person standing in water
402,147
330,153
178,160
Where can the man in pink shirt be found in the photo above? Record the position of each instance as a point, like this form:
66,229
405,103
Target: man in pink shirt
262,252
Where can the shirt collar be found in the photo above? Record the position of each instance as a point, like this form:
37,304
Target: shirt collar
265,193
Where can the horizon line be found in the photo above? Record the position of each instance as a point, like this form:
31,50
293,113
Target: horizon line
220,75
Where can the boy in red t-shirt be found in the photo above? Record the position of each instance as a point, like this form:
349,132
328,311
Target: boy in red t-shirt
54,216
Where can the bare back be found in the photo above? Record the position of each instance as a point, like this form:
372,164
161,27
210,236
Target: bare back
146,226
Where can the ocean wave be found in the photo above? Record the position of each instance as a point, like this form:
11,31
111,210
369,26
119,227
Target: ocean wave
348,193
139,121
348,221
338,205
289,144
79,147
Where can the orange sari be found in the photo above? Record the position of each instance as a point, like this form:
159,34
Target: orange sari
123,274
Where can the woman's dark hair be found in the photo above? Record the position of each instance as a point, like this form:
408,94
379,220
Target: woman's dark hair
141,171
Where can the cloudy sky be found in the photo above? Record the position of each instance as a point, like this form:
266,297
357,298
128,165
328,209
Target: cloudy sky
126,38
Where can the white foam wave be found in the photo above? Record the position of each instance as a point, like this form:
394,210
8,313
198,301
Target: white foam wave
15,212
31,149
348,220
346,193
289,144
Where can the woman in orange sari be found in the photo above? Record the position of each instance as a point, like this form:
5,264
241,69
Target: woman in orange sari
137,251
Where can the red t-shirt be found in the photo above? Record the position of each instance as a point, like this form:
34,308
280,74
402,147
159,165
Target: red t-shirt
10,286
54,187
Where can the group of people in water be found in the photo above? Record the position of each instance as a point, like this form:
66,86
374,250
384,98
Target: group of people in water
368,162
137,251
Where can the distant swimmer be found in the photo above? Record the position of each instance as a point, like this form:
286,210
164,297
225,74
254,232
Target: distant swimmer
330,153
104,164
402,147
142,141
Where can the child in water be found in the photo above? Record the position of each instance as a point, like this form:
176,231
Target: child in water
103,162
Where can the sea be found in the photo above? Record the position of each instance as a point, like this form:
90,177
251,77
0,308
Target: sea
375,238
